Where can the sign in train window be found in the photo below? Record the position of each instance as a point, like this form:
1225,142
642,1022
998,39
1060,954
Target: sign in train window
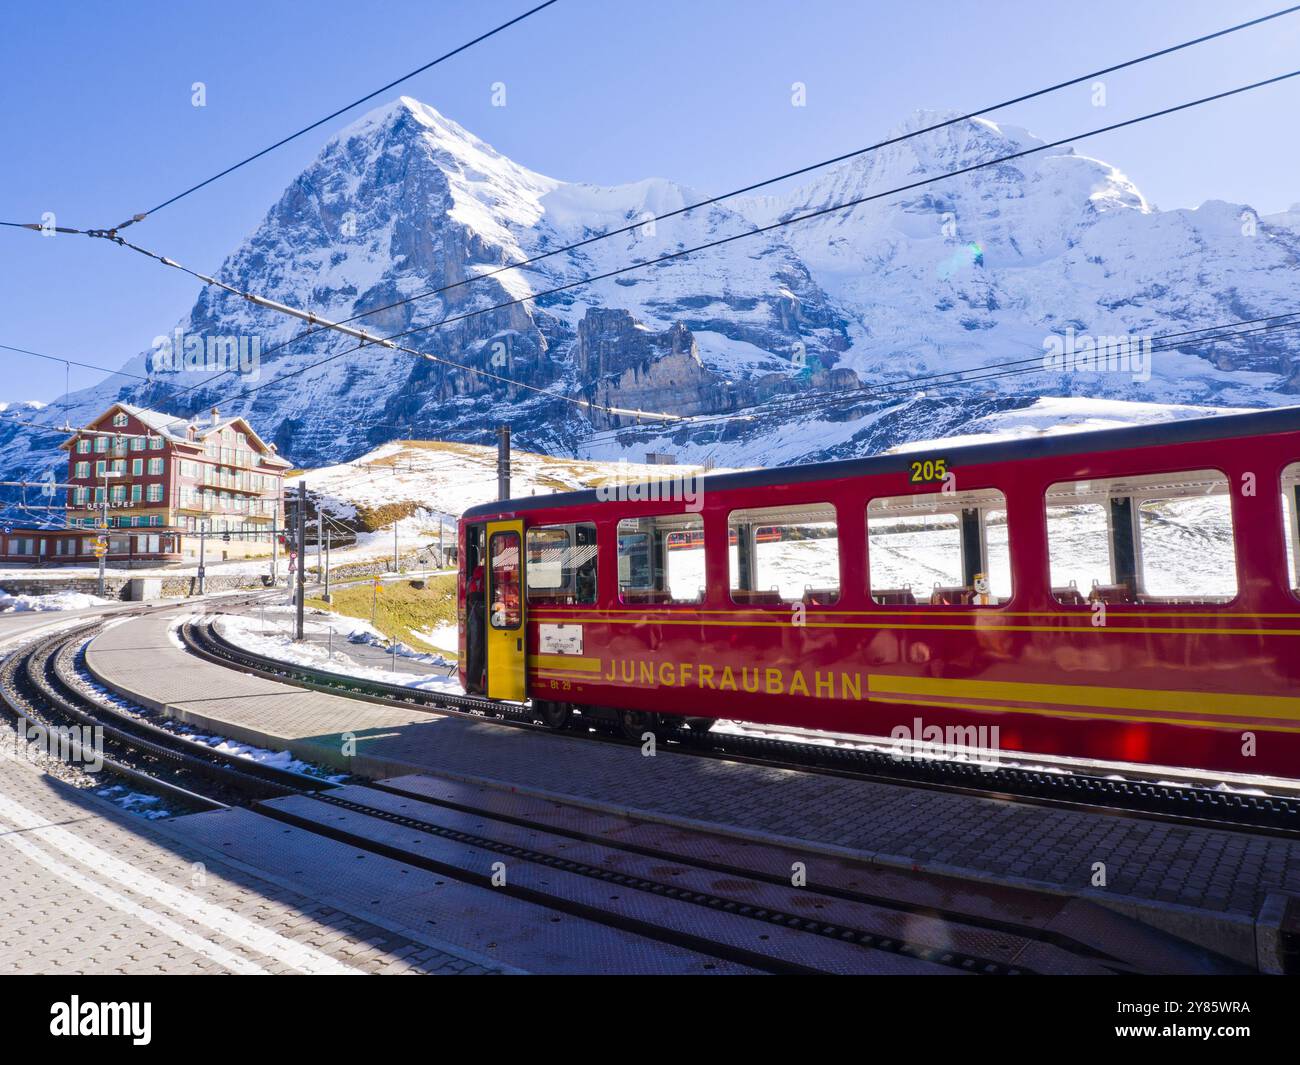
781,555
1150,538
661,559
939,549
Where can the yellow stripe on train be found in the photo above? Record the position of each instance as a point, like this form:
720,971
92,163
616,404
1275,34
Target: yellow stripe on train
1252,706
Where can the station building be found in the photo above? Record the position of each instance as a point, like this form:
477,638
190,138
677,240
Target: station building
152,484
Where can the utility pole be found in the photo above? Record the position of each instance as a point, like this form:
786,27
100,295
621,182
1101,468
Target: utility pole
327,567
275,544
319,562
302,552
203,555
103,527
103,532
503,462
394,545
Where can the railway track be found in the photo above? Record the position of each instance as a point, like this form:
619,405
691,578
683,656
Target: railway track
741,917
1178,802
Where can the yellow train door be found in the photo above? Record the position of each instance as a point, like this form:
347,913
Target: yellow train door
505,610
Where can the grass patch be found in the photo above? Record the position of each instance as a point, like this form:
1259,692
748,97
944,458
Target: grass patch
372,519
400,610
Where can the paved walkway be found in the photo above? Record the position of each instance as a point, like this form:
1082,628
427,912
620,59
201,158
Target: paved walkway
1209,885
86,888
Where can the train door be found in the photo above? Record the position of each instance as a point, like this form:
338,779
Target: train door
505,610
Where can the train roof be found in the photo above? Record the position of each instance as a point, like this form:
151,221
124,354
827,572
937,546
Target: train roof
1190,430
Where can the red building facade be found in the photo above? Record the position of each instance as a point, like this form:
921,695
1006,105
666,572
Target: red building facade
151,484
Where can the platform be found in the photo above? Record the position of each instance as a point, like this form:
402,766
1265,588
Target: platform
1207,886
86,888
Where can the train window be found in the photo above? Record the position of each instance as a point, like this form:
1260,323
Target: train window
783,555
1077,547
940,549
1291,529
503,553
562,563
1151,538
661,559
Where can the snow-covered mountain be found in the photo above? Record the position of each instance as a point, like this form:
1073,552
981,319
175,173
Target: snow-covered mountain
954,275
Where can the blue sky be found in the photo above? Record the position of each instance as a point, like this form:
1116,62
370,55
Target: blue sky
97,121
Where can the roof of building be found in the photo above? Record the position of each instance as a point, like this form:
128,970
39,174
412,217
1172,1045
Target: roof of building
176,429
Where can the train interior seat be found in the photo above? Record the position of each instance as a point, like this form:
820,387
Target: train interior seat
1111,594
1069,595
756,597
647,596
820,596
951,595
894,596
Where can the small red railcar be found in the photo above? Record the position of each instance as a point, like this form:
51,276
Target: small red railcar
1126,595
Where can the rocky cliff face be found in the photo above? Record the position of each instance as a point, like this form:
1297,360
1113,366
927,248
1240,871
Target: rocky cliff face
954,275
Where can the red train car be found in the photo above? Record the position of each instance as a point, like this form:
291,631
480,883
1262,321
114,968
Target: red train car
1125,595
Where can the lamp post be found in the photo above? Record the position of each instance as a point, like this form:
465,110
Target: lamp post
103,525
203,556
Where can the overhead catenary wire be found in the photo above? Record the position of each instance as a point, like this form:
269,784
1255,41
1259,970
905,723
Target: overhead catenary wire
332,115
789,174
798,172
74,362
387,341
1146,57
812,402
549,393
667,257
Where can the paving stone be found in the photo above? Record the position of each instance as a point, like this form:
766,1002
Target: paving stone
49,925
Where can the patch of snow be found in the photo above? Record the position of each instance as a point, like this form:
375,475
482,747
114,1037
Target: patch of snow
51,601
246,632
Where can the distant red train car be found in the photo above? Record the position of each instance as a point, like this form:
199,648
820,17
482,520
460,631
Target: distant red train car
1125,595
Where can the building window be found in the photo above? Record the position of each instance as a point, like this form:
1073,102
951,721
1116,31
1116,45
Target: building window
155,466
136,490
83,446
83,470
661,559
155,493
81,495
101,468
137,443
155,443
101,444
118,493
939,549
781,555
561,563
137,467
119,419
1153,538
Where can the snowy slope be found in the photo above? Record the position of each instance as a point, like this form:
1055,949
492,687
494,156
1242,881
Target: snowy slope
449,478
